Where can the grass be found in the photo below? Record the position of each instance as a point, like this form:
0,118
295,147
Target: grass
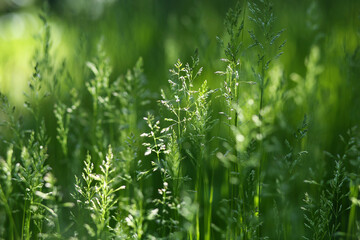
102,161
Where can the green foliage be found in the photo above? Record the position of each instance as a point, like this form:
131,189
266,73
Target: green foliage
219,156
323,220
97,196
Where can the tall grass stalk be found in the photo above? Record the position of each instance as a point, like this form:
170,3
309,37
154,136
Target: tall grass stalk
262,16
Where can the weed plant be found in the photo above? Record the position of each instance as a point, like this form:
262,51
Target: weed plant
103,163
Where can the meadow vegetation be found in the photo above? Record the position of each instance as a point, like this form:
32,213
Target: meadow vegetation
256,149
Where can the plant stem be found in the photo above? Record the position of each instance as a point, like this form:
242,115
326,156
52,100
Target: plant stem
8,210
262,151
209,213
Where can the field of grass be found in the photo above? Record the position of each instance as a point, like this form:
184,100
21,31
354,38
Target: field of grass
173,119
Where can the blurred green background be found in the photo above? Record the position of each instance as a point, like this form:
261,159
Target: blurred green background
161,31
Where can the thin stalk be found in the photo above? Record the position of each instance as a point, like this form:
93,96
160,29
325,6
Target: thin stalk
8,210
230,81
354,192
197,199
26,220
190,234
236,86
23,222
179,140
139,230
209,212
261,141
